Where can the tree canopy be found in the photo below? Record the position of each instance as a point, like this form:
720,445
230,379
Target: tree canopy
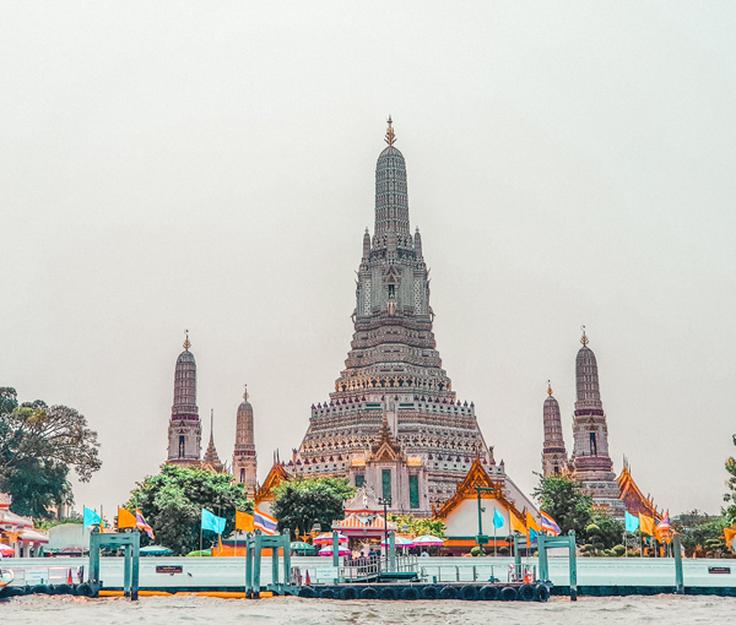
38,446
172,502
418,526
561,497
301,503
730,496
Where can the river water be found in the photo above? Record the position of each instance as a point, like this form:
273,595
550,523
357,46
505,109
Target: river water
670,610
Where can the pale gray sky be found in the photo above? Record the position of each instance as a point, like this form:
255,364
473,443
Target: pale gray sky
210,165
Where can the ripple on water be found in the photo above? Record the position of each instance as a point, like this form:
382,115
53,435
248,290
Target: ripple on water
196,610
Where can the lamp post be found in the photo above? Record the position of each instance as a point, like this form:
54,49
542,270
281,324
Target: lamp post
481,538
385,502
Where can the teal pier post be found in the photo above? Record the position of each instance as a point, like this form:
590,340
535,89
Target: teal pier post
517,556
679,577
94,557
287,557
135,577
335,549
392,551
127,573
249,566
257,565
275,566
573,567
543,562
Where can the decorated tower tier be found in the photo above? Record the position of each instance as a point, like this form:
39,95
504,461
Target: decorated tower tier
185,429
393,387
591,461
554,455
244,455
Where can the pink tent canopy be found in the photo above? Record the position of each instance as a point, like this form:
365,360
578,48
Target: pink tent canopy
428,541
327,551
326,539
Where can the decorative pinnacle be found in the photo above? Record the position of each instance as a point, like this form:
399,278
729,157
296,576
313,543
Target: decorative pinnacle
245,392
187,344
584,339
390,137
549,388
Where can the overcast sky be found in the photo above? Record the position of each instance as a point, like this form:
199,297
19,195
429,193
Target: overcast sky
210,166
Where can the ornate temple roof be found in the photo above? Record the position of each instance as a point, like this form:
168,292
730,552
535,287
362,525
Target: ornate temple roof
478,476
633,497
276,475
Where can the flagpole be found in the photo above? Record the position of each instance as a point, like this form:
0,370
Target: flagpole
495,546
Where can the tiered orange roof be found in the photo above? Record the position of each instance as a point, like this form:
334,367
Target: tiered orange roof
277,474
632,496
477,476
362,524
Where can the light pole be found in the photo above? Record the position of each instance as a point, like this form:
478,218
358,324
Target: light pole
385,502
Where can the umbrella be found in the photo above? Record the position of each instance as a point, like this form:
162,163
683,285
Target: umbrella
7,550
303,548
156,550
327,551
326,539
399,541
427,540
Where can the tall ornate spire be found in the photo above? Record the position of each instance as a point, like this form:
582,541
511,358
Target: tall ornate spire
244,455
554,455
590,457
211,459
185,430
392,204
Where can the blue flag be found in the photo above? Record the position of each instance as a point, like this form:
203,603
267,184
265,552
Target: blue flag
631,522
497,519
90,517
533,535
212,522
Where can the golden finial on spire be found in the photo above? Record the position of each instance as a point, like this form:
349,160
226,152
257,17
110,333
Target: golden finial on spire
390,137
549,388
187,344
584,339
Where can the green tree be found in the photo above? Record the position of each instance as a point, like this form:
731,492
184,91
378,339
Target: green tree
38,446
700,532
603,532
730,496
172,502
301,503
561,497
418,526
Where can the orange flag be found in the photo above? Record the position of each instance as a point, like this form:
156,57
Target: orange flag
531,523
244,521
646,524
126,519
729,533
517,525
